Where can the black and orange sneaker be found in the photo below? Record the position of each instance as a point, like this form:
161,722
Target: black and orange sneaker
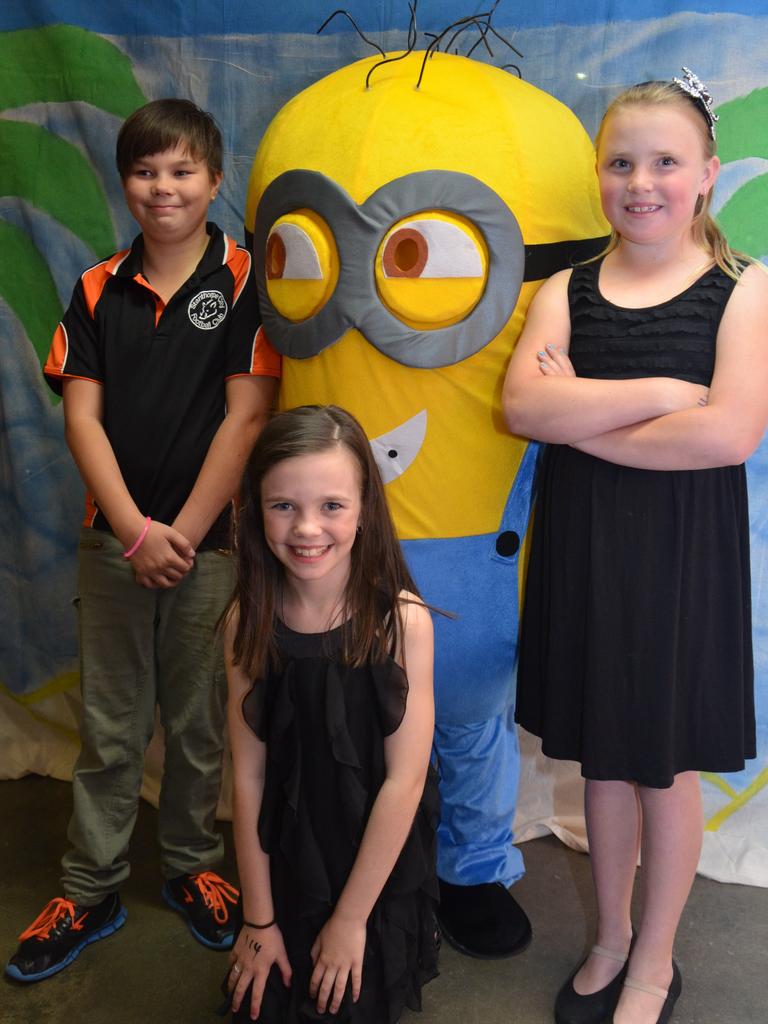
202,899
60,934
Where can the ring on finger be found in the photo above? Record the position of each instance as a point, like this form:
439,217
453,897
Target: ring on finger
237,968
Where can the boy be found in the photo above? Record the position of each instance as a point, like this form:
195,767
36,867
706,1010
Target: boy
165,389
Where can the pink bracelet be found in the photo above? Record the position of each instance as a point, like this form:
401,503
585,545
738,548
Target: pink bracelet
139,540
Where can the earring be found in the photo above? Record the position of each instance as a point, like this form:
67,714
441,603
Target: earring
359,528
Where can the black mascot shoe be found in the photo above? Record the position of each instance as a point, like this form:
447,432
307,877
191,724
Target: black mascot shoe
484,921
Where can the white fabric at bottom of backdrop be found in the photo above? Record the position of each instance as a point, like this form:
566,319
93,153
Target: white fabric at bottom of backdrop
41,737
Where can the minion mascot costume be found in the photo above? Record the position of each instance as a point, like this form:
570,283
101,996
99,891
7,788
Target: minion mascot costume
402,212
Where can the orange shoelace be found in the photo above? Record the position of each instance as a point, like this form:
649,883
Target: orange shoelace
215,891
52,913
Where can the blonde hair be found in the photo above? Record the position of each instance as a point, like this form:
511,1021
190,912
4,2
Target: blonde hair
704,229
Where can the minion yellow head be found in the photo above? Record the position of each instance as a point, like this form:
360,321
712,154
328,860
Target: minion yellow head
398,237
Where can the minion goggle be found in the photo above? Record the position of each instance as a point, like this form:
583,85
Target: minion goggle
428,268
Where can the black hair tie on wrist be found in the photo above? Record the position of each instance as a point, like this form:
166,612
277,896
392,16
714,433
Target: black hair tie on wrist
258,927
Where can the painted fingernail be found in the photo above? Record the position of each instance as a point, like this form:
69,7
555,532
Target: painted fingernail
542,355
550,347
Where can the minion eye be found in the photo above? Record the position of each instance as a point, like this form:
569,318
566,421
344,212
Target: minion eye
431,248
405,253
291,255
301,265
431,269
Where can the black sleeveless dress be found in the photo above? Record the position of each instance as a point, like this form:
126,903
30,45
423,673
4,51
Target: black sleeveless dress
324,724
636,646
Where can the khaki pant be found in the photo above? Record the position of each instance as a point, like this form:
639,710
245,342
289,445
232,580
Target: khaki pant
140,648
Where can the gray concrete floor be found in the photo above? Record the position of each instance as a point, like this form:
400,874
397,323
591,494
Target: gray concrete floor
152,971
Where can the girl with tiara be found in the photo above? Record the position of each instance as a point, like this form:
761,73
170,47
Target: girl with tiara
331,711
646,371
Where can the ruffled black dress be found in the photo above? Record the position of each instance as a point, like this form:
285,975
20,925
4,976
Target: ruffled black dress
324,724
636,645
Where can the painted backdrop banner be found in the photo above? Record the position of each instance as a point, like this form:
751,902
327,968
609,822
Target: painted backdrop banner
70,74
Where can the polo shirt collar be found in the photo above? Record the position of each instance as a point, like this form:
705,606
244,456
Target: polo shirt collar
214,256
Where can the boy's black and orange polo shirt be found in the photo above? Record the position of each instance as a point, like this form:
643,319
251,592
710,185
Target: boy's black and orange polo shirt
163,367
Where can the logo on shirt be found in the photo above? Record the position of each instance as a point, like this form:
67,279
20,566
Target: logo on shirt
207,309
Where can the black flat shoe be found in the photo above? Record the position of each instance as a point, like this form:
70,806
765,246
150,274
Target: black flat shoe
596,1007
670,995
484,921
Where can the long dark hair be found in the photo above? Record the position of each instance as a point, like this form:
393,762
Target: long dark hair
372,610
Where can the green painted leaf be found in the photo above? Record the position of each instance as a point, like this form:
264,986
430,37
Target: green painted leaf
28,288
60,63
742,130
744,218
54,176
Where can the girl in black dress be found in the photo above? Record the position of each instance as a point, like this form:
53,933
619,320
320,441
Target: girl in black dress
331,712
647,373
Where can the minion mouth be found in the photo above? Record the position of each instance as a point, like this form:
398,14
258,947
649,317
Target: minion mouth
395,451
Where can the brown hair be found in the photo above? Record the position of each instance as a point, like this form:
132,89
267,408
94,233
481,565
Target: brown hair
165,124
705,231
372,612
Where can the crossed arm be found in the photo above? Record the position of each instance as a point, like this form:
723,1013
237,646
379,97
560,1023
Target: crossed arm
649,423
338,950
168,550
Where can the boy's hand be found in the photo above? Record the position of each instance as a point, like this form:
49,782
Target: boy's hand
251,960
337,954
164,557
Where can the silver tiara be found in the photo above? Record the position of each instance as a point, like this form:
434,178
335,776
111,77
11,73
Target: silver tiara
695,88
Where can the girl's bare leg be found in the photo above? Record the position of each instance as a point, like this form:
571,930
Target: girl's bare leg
671,844
613,827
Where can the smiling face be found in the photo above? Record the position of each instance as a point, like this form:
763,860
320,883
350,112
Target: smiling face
168,194
652,167
311,507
